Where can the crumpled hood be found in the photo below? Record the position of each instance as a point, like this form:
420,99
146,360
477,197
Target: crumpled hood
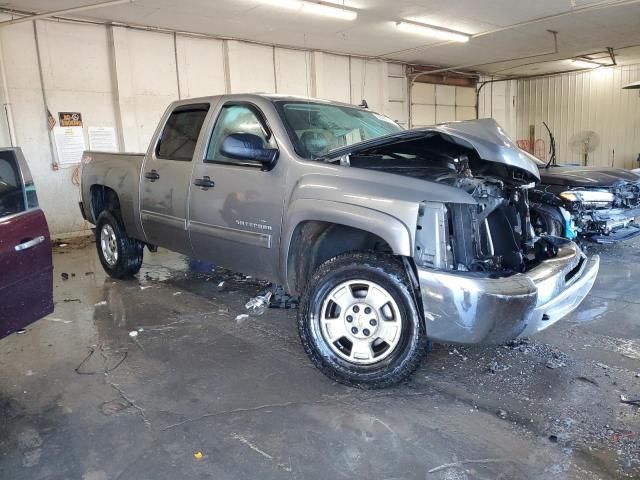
578,176
485,136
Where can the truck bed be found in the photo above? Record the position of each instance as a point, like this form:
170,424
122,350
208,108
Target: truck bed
121,173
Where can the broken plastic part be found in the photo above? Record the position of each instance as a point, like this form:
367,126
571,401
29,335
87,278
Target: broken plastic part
258,305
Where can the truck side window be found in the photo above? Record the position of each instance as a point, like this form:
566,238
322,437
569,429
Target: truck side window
180,134
234,119
12,198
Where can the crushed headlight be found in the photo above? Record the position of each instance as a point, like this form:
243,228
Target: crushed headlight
594,198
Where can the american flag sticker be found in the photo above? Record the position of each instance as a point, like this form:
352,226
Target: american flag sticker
51,122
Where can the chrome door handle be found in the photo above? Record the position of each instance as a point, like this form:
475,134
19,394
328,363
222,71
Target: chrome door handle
29,244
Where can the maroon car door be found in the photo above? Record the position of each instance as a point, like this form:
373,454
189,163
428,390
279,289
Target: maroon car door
26,270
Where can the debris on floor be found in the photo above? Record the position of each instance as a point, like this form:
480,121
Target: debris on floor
133,333
242,317
198,455
258,305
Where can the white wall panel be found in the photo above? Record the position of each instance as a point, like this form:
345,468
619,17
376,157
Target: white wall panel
251,68
147,82
574,103
497,100
445,113
332,78
293,72
423,93
73,86
450,103
200,66
423,115
465,97
369,81
445,95
465,113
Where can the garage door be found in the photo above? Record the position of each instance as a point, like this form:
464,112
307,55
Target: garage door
431,104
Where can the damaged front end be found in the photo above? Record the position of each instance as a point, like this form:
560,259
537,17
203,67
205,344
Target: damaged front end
605,215
485,274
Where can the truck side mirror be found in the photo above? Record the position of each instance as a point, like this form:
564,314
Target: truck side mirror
247,146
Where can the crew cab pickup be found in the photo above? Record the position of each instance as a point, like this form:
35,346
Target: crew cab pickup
391,236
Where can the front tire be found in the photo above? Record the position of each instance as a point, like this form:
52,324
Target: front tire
359,323
120,255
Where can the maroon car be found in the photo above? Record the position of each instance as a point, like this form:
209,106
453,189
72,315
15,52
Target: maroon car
26,269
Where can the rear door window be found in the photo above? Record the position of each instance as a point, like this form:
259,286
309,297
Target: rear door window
180,134
12,192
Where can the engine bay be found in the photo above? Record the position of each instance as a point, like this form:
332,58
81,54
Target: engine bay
493,235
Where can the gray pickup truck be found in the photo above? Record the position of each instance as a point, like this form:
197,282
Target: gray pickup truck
391,236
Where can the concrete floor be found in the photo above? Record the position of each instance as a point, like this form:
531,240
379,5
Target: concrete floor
81,399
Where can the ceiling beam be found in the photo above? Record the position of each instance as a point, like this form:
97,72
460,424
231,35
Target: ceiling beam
37,16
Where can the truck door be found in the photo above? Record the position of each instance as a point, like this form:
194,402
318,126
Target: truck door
235,207
166,175
26,270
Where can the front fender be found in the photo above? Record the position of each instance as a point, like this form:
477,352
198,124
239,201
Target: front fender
398,235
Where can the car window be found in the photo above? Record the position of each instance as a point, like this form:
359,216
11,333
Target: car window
235,119
12,195
316,128
180,134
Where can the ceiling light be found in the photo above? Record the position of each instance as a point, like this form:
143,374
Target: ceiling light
585,63
315,8
431,31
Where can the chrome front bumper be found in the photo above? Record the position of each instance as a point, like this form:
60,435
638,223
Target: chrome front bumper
471,308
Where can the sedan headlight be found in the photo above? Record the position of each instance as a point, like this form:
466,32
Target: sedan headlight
594,198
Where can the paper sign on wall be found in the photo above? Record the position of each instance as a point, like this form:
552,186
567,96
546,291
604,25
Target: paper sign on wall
103,139
69,144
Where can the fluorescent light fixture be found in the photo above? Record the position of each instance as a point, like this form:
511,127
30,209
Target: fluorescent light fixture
315,8
431,31
585,63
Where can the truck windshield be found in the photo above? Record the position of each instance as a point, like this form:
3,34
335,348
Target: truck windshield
317,128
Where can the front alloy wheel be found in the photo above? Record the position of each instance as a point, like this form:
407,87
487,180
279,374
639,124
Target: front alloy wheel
359,323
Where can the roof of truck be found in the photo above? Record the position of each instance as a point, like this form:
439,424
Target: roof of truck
273,97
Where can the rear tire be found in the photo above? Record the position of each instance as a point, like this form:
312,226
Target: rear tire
359,323
120,255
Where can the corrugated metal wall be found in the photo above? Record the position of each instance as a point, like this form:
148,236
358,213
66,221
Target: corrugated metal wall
578,102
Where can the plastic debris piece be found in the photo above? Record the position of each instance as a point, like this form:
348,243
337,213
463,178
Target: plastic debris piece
133,333
99,304
144,288
242,317
58,320
62,245
177,293
22,331
64,275
221,284
258,305
198,455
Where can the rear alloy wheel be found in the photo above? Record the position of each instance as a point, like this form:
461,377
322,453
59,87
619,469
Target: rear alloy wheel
359,323
120,255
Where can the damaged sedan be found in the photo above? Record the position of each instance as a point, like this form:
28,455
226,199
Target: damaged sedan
599,204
